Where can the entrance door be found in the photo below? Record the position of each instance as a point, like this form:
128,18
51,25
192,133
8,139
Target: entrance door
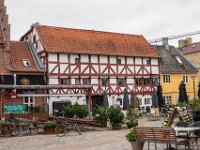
96,101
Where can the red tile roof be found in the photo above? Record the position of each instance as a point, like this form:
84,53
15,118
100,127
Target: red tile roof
20,51
193,48
66,40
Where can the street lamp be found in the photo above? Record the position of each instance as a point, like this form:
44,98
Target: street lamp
193,78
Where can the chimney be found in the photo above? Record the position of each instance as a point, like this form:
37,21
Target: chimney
165,42
181,43
188,41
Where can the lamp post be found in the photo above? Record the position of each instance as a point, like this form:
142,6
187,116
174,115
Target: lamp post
193,78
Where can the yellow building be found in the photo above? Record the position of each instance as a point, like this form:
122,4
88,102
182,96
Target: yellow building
174,69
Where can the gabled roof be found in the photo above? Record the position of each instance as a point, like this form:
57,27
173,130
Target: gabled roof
193,48
173,61
67,40
20,52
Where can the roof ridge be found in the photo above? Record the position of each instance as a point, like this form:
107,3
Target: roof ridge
127,34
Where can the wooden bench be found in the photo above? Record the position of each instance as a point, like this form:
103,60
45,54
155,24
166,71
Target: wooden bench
85,122
157,135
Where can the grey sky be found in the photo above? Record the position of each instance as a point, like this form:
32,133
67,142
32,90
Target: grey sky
151,18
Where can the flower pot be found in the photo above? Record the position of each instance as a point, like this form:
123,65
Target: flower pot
133,145
136,146
116,126
49,130
196,115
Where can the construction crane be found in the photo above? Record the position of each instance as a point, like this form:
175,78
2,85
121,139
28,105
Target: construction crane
163,39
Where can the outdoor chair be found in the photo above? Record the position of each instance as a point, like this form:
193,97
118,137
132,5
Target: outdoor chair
182,134
196,134
168,135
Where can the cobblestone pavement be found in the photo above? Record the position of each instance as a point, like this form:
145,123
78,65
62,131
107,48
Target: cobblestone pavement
90,140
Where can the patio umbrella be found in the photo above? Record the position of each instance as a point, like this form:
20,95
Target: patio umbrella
125,100
105,99
199,90
160,96
182,93
134,100
154,98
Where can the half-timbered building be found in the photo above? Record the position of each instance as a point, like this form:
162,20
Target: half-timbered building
107,61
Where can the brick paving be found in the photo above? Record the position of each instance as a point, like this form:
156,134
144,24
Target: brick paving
90,140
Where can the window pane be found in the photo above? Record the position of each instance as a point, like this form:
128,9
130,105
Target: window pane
146,81
121,81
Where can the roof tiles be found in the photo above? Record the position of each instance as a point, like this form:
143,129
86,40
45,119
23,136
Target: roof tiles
66,40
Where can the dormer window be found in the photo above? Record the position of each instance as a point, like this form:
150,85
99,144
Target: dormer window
178,59
26,63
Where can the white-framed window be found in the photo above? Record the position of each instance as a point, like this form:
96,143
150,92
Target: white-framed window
29,100
121,81
147,101
146,81
77,60
119,61
77,81
26,63
166,78
65,81
86,81
119,100
104,82
185,78
148,61
168,100
138,81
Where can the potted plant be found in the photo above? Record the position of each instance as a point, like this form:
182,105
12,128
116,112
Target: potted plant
6,127
131,137
49,127
132,117
194,106
101,116
116,117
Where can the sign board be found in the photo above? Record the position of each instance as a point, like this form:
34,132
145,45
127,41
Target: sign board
15,108
14,95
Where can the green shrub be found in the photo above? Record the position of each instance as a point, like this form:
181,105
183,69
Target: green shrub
115,114
50,125
131,136
131,124
101,114
76,109
5,124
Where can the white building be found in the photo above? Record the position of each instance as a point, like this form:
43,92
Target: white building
105,60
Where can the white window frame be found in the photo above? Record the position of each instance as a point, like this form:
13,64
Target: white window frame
26,63
29,103
185,79
166,78
147,101
168,100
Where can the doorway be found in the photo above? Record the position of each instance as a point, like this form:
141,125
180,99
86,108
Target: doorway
96,101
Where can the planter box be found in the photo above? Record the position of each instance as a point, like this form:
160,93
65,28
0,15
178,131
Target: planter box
116,126
49,130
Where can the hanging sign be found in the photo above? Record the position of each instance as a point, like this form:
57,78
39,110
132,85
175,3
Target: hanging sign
13,95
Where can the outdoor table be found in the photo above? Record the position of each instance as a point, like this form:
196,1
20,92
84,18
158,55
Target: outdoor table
186,129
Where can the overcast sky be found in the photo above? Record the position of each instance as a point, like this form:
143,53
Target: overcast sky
151,18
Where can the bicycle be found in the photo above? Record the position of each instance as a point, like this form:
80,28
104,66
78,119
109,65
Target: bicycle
65,127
